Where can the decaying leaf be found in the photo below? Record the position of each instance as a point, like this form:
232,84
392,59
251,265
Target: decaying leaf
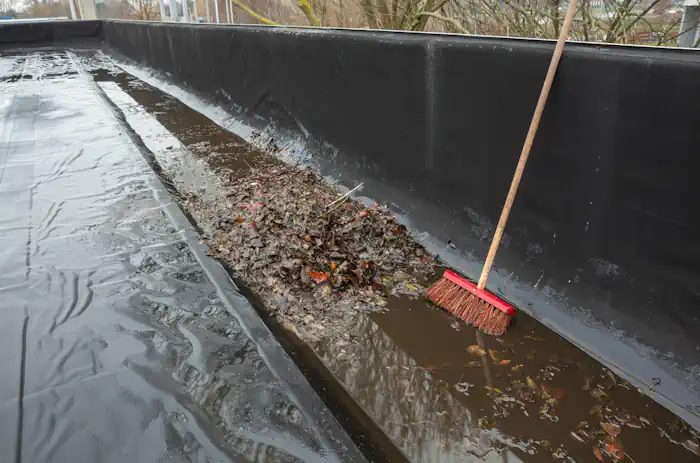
598,454
692,445
587,383
464,387
614,448
517,368
504,362
476,349
531,383
318,277
492,354
271,226
597,409
612,429
598,393
252,206
611,375
291,327
551,395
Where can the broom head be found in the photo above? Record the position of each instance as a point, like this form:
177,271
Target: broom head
475,306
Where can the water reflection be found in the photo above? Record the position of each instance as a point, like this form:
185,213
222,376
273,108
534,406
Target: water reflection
419,413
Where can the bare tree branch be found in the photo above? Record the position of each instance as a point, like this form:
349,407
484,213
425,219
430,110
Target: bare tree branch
451,21
254,14
309,13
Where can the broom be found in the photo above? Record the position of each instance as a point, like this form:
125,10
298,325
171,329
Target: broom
470,302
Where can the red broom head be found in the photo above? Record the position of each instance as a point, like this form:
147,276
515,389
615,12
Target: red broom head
475,306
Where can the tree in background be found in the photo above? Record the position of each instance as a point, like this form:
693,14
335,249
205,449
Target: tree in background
412,15
377,14
45,9
7,9
147,10
653,22
116,9
612,21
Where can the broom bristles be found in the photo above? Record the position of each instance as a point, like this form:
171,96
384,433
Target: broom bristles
459,302
493,321
469,307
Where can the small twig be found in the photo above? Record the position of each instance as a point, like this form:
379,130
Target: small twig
345,195
452,21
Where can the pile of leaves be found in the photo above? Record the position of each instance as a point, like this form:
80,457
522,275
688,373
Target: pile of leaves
304,248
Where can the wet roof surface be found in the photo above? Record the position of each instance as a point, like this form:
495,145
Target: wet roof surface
418,374
121,346
119,342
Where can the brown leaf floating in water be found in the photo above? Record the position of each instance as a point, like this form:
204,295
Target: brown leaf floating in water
612,429
531,383
614,448
476,349
598,454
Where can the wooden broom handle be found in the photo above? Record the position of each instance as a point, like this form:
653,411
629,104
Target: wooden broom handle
571,12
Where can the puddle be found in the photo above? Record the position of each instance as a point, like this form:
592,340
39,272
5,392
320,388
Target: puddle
199,134
421,376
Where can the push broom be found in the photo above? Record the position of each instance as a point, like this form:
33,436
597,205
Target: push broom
470,302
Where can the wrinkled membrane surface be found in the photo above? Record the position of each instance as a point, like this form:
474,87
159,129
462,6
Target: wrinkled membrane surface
117,345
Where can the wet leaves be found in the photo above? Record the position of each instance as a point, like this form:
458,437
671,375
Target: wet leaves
476,349
464,388
252,206
271,226
493,389
611,429
318,277
597,409
598,393
587,383
531,383
551,394
613,447
692,446
598,454
504,362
